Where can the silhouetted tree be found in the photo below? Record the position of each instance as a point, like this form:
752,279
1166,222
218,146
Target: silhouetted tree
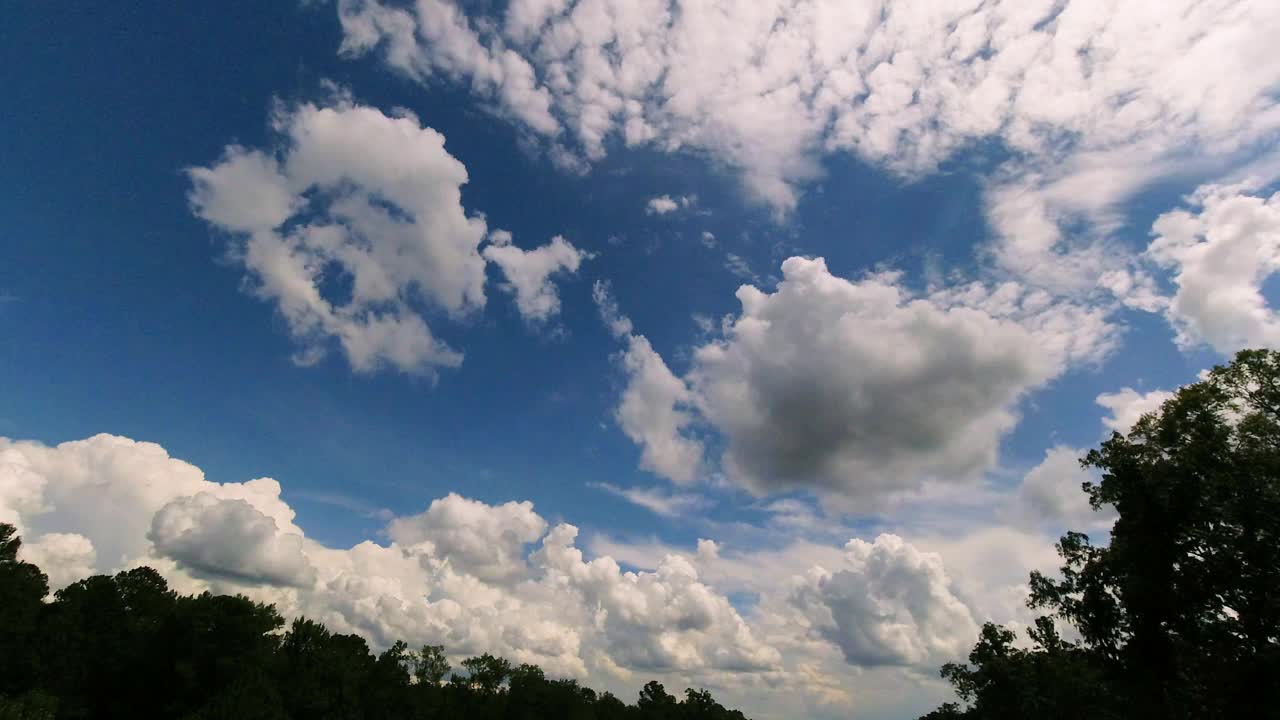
1179,614
126,646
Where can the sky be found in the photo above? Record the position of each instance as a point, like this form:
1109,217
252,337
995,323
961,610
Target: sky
745,345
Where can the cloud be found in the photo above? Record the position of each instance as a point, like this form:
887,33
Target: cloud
655,500
473,576
229,537
665,204
889,603
64,557
1128,405
456,50
499,578
529,272
666,619
859,390
1220,252
1093,101
359,199
487,540
1051,494
655,409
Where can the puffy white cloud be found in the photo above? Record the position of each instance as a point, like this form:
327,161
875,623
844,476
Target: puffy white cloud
1128,405
108,489
497,578
488,541
229,537
860,390
354,227
888,604
462,573
65,557
529,272
654,413
655,409
665,619
1220,252
457,50
355,199
1051,494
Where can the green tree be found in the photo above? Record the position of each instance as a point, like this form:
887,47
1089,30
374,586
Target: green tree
429,665
1179,613
22,591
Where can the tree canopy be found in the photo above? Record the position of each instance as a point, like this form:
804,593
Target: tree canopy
1178,615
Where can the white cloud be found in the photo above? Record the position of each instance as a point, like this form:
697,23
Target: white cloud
529,272
499,578
488,541
462,573
229,537
65,557
456,50
1051,495
1128,405
861,390
889,603
666,619
358,197
1220,253
1095,101
665,204
657,500
655,409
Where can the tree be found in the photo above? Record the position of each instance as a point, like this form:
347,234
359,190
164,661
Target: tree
486,673
22,591
1179,614
429,665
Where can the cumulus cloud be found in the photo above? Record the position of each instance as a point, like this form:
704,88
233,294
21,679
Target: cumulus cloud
499,578
889,603
1051,494
473,576
1126,406
529,272
229,537
655,410
860,389
487,540
349,227
666,619
64,557
1220,253
353,226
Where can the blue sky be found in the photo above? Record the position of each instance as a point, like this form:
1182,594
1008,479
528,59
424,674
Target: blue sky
1127,216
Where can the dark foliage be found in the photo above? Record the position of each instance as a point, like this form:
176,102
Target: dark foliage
129,647
1179,614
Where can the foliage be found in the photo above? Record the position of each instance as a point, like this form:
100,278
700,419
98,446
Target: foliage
129,647
1179,613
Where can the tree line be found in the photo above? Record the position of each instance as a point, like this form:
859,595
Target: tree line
127,646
